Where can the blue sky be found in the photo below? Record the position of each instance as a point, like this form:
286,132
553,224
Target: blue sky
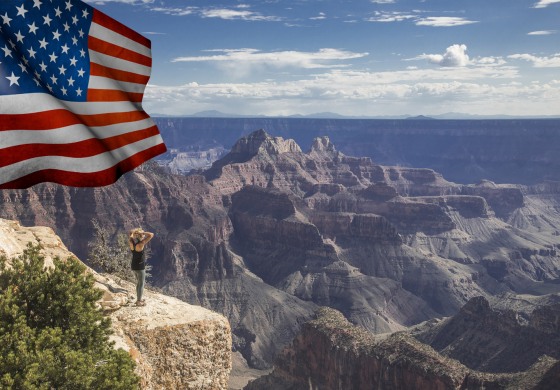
352,57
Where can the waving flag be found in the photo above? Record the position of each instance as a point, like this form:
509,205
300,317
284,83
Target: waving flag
71,86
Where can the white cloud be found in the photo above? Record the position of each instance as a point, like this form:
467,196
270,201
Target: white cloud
175,11
545,3
324,58
539,62
131,2
386,17
321,16
454,56
383,1
232,14
443,21
543,32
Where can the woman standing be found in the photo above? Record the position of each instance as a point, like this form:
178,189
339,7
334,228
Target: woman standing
137,240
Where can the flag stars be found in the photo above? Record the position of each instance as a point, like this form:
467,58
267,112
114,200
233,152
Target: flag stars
43,44
81,72
7,51
47,20
19,37
64,91
81,33
66,27
75,20
73,61
22,67
37,4
69,5
31,52
21,12
43,66
32,28
53,57
58,12
79,92
85,13
74,40
71,82
6,19
54,79
62,69
65,49
13,79
56,35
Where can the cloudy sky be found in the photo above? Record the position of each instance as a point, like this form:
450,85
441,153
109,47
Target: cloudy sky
351,57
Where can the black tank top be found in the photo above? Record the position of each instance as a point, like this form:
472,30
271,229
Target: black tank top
138,263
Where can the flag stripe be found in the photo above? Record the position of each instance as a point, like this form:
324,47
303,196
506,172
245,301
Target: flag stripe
61,118
91,164
111,49
120,75
96,82
38,102
81,149
108,35
92,179
110,23
69,134
118,63
107,95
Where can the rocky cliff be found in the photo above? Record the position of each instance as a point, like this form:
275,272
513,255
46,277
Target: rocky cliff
175,345
344,356
270,232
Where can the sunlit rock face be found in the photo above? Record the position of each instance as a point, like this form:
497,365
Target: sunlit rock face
175,345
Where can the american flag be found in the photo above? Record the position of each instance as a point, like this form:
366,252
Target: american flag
71,86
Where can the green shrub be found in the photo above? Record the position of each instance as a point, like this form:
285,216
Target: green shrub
52,334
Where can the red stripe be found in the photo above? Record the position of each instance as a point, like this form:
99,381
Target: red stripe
115,74
53,119
106,21
81,149
113,95
113,50
95,179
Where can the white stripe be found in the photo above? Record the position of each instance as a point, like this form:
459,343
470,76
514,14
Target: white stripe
92,164
107,35
118,63
69,134
39,102
97,82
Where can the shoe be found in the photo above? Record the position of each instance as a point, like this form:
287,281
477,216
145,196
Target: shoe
140,303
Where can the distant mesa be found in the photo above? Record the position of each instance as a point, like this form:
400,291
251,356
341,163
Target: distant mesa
420,117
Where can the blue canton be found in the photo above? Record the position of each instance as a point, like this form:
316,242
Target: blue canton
43,47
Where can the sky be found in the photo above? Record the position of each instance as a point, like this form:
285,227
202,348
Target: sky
350,57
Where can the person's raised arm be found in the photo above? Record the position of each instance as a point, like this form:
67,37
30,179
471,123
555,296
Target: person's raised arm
147,237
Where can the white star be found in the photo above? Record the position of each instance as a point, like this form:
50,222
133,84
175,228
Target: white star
13,79
74,20
73,61
81,72
68,5
53,57
13,45
49,87
65,49
37,3
74,40
71,81
79,92
53,79
85,13
64,91
32,28
82,53
56,35
37,81
47,20
7,51
57,12
81,33
62,69
6,19
31,52
22,67
19,37
21,11
25,60
43,66
43,43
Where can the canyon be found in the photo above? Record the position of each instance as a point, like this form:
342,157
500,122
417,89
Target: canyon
269,234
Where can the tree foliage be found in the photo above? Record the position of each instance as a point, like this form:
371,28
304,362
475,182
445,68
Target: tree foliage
52,334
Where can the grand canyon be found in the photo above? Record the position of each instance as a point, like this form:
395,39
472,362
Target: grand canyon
422,255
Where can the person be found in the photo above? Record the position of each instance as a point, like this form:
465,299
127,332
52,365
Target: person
137,240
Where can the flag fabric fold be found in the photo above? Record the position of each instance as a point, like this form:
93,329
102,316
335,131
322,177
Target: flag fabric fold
72,81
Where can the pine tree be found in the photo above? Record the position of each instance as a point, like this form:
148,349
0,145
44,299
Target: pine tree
52,334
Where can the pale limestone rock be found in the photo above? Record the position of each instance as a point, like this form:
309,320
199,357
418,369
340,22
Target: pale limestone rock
175,345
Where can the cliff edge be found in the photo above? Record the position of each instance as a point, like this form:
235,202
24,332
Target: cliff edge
175,345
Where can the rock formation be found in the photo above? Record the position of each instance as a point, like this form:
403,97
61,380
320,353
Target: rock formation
344,356
175,345
270,232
